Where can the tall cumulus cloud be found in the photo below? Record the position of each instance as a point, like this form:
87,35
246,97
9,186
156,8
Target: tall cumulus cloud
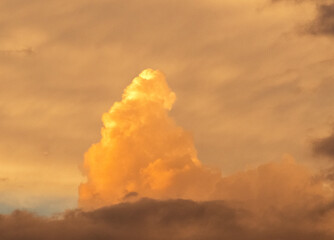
144,181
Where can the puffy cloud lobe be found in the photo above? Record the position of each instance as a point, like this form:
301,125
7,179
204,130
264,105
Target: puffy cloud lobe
280,184
142,150
225,103
143,153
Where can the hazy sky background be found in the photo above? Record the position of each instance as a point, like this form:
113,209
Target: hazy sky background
253,80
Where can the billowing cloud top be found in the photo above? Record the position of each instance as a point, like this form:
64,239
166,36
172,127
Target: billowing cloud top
250,87
144,154
143,151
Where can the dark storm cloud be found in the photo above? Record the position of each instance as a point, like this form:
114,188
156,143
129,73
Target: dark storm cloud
324,146
173,219
324,20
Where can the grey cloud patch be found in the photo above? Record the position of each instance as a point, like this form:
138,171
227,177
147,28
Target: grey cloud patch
130,195
323,23
172,219
324,146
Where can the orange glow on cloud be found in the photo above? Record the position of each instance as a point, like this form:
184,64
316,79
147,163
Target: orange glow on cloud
142,150
143,153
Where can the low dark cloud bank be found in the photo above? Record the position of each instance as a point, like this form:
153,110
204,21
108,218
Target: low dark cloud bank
171,219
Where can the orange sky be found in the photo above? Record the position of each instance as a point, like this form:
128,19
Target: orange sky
253,80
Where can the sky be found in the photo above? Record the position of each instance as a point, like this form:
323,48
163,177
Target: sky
242,117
